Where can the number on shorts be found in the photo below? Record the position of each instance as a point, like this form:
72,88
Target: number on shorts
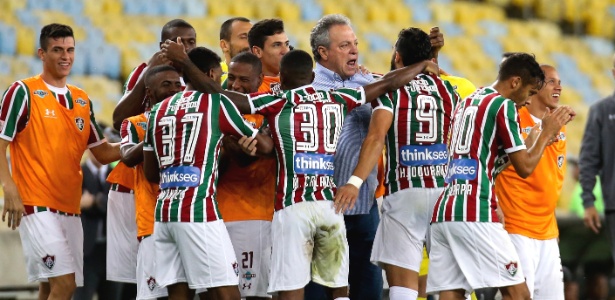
248,259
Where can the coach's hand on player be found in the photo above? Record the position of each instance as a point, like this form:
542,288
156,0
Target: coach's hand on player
248,145
592,219
13,206
345,197
174,51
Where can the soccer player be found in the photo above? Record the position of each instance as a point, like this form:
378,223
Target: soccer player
48,125
122,243
305,125
161,82
269,42
413,123
246,190
528,204
182,144
469,247
233,40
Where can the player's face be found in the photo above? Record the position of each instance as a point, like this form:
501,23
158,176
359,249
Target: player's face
163,85
58,57
239,37
243,78
521,96
343,54
551,90
275,47
187,34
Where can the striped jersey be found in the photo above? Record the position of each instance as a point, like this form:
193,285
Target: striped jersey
185,132
485,128
306,124
416,141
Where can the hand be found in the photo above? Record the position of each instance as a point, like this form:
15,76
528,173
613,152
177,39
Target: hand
13,206
363,69
174,51
345,197
437,40
87,200
554,120
592,219
498,211
431,67
248,145
158,59
532,136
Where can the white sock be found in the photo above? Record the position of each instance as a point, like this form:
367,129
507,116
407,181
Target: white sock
402,293
342,298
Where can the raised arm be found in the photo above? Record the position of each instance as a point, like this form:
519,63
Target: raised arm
525,161
174,51
398,78
371,150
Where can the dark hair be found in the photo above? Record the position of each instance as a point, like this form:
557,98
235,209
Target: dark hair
54,31
296,64
155,70
263,29
508,54
204,59
413,45
523,65
225,29
250,59
175,23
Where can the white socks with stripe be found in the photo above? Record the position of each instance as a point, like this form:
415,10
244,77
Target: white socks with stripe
402,293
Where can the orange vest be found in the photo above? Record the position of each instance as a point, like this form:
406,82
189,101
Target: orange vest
46,154
529,204
270,83
248,193
123,175
145,191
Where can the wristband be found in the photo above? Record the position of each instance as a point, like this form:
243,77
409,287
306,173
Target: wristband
356,181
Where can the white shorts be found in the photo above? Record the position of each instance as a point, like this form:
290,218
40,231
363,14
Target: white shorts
53,246
309,242
147,287
542,266
404,227
122,244
200,254
471,255
252,243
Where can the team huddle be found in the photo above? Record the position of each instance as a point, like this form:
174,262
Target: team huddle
230,167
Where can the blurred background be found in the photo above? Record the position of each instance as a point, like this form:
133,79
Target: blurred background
114,36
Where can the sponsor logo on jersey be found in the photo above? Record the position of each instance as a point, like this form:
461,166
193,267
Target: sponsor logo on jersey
80,102
462,169
248,275
49,261
143,125
527,130
560,161
50,113
314,164
413,155
40,93
151,283
275,88
180,176
80,123
512,268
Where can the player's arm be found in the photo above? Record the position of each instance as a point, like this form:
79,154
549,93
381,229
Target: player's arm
590,165
174,51
524,160
131,103
436,38
398,78
131,149
371,151
106,153
150,166
13,208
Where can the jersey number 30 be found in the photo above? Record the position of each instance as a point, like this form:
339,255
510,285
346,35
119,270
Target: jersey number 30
331,115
